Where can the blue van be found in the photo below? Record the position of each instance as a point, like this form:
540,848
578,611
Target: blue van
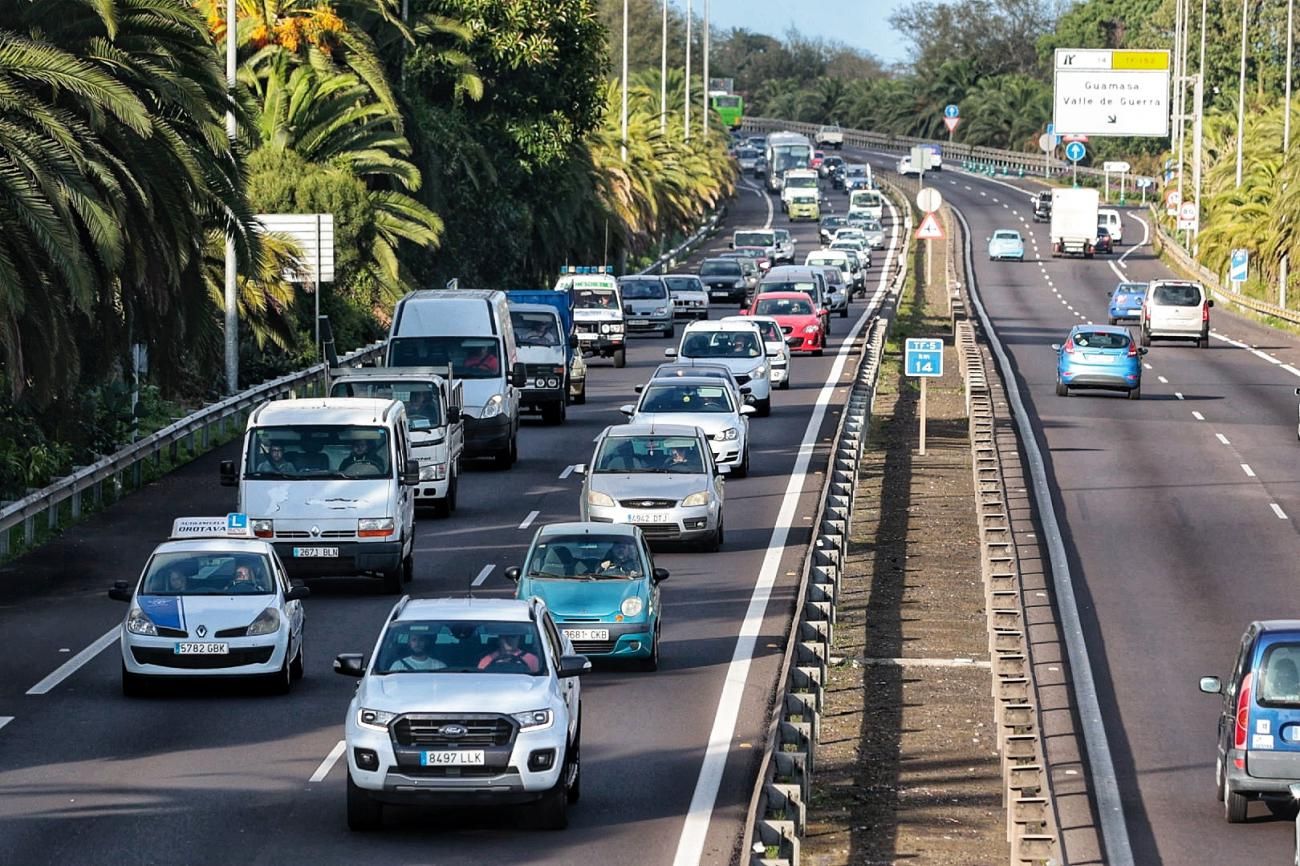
1259,726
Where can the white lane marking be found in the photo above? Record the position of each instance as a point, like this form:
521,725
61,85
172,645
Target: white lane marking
528,521
1240,345
690,846
328,764
1222,438
1146,235
1292,370
1197,415
966,185
1146,366
1178,394
1163,380
1250,473
4,720
568,470
70,667
482,575
1277,509
982,192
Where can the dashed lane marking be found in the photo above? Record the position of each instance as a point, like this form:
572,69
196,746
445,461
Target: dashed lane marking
328,764
1277,509
1197,415
1250,473
72,665
1222,438
568,470
528,521
483,575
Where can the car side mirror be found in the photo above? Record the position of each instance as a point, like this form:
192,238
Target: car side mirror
411,472
748,410
580,469
1143,351
659,575
512,573
297,592
519,375
1297,392
1211,685
823,312
731,245
350,664
670,353
627,409
638,388
573,341
229,478
573,666
1210,302
1056,347
120,591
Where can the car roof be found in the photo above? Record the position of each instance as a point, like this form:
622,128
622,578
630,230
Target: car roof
704,381
789,272
635,277
323,410
689,364
1271,627
719,325
789,296
471,609
768,319
683,276
225,544
651,430
719,258
574,527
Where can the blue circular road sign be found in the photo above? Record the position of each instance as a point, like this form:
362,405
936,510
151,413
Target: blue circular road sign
950,111
1075,151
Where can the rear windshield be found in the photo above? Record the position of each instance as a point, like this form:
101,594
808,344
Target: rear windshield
808,287
1101,340
721,344
1006,236
683,284
753,239
783,307
1279,676
715,268
1133,290
1177,296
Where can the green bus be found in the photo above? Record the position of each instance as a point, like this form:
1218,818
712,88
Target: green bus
730,107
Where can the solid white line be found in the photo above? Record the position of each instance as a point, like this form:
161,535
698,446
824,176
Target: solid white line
1163,380
68,668
1277,509
568,470
528,521
1222,438
328,764
1292,370
690,847
482,575
1250,473
1197,415
1146,235
4,720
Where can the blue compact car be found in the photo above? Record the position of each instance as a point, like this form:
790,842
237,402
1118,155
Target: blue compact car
600,584
1099,356
1006,244
1126,302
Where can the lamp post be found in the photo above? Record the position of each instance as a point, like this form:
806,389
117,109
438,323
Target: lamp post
1241,94
687,122
623,142
232,264
704,112
663,74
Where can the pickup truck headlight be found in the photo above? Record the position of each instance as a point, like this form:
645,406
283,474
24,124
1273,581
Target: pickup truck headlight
433,471
375,720
758,372
726,435
600,500
493,406
531,720
139,623
375,527
701,498
632,606
267,622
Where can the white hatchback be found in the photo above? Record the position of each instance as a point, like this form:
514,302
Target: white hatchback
736,345
778,351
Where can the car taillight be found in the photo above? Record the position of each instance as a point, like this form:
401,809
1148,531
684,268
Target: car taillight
1132,349
1205,312
1242,719
1069,346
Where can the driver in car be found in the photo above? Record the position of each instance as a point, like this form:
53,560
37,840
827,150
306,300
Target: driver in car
362,457
508,654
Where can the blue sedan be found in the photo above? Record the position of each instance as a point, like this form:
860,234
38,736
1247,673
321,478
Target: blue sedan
600,584
1126,302
1006,244
1099,356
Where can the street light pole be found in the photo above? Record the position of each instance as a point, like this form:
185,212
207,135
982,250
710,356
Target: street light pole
1198,124
663,74
623,142
1286,108
687,121
1241,94
232,263
704,113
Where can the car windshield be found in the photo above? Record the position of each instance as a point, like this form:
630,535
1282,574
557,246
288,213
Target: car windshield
683,284
870,225
720,268
1279,676
833,222
721,344
422,400
1177,295
595,299
801,182
460,647
470,357
747,153
585,557
747,253
674,397
1006,236
753,239
803,199
642,290
782,235
310,451
783,307
1134,291
650,454
535,329
1100,340
771,332
855,170
191,573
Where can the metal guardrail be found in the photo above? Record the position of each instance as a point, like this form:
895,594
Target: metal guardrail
194,430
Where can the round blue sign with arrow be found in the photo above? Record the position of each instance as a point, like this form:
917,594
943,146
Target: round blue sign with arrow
950,111
1075,151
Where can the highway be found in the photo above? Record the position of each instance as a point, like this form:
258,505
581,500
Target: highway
1179,513
222,774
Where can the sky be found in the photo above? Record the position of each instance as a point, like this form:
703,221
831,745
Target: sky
862,24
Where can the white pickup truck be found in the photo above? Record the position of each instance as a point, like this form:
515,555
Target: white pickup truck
829,136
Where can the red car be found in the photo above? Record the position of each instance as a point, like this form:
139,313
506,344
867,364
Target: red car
817,157
798,317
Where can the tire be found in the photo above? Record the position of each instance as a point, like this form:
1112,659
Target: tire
505,459
1062,390
785,383
133,685
764,407
280,682
408,568
620,358
670,331
574,792
298,667
553,414
1135,393
364,814
581,399
1203,343
551,812
447,504
844,313
1144,339
1234,805
652,663
1110,320
1218,779
742,470
391,582
819,351
826,327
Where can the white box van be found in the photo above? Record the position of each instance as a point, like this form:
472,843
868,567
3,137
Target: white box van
433,398
1109,220
469,330
330,482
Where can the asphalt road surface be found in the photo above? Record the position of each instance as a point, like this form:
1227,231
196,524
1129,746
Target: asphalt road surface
223,774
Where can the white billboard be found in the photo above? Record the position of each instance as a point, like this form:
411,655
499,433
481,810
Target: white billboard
1111,92
314,234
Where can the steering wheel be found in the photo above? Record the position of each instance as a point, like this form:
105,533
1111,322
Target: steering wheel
361,469
510,661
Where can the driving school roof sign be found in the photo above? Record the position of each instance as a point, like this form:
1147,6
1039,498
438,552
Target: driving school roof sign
1111,92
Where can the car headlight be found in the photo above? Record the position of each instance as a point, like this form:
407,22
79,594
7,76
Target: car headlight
139,623
726,435
701,498
659,311
758,372
739,284
267,622
493,406
531,720
552,382
376,720
375,527
810,329
600,500
632,606
433,471
264,528
604,329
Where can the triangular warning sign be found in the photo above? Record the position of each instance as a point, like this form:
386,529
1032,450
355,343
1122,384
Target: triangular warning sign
951,122
929,229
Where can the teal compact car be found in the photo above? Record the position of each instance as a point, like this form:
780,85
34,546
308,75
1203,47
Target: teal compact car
600,584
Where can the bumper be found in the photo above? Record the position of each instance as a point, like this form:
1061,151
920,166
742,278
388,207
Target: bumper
248,656
727,293
691,311
627,640
535,398
431,491
779,374
485,437
601,344
669,524
1241,781
797,213
1115,381
727,451
355,558
1126,314
648,323
1173,333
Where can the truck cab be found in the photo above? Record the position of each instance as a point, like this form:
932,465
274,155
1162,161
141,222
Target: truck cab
543,348
798,181
597,311
434,399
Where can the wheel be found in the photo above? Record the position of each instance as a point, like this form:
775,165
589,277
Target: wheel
742,470
298,667
764,407
670,331
1061,389
620,358
281,681
826,327
1145,338
785,383
1218,779
651,663
574,792
1234,804
844,313
391,582
133,685
447,504
554,413
581,399
408,568
819,351
551,812
1135,393
364,814
1203,343
506,458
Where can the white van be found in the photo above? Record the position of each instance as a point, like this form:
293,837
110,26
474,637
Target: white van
470,331
866,202
330,482
798,180
1109,220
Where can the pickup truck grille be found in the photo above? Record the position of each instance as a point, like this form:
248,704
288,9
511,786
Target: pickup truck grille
431,730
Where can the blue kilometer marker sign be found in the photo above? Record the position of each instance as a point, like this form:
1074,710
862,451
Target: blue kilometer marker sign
922,357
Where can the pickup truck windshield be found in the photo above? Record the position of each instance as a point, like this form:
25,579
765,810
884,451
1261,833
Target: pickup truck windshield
304,452
422,400
460,647
535,329
595,299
